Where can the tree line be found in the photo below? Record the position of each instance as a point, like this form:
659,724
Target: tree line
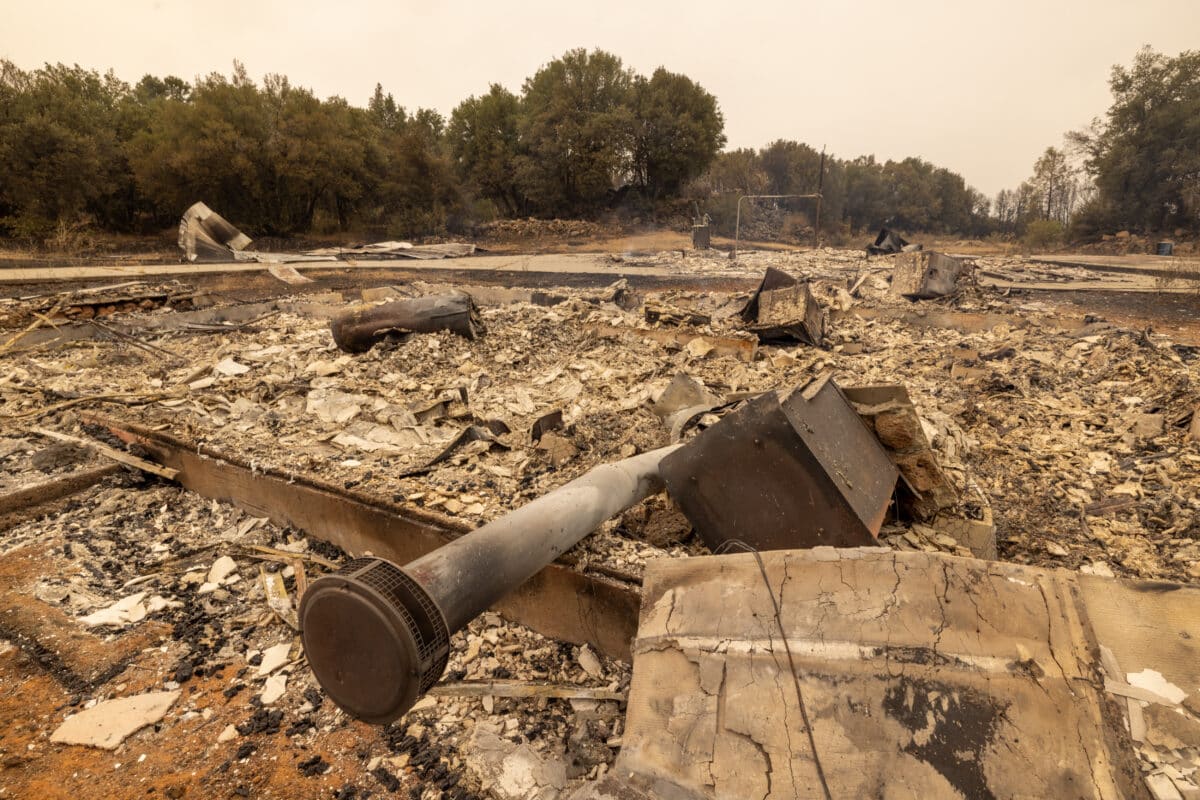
585,136
1136,169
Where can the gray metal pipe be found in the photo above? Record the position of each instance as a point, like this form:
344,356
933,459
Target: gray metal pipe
377,635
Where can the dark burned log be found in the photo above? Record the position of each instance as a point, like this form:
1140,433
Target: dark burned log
360,328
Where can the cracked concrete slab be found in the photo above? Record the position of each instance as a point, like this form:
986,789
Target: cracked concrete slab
923,676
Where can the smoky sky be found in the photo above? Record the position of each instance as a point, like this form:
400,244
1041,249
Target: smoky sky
980,88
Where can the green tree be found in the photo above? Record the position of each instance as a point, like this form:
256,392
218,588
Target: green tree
576,131
61,154
677,131
1145,155
484,142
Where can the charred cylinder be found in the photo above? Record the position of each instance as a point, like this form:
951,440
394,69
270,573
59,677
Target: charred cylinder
360,328
377,636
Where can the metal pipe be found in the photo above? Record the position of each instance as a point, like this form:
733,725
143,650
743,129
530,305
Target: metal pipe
377,636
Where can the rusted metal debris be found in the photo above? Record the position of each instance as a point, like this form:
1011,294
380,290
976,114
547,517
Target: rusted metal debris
377,635
360,328
783,307
787,469
925,275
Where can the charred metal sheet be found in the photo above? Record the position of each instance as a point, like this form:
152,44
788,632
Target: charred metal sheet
890,414
784,308
788,469
558,601
358,329
888,242
204,235
925,275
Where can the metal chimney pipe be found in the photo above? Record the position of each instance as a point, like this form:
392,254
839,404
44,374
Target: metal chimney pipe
377,636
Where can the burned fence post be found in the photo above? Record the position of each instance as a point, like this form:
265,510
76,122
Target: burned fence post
360,328
377,636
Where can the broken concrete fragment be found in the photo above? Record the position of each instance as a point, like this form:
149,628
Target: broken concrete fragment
360,328
273,689
109,723
1152,680
274,657
925,275
1170,728
229,368
977,535
787,469
1161,787
589,663
783,307
123,612
514,772
221,569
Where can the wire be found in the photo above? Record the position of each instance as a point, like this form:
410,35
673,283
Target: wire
725,547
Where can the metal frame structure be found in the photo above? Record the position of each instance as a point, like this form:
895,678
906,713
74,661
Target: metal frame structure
737,231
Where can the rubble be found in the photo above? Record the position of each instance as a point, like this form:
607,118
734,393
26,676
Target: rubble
310,448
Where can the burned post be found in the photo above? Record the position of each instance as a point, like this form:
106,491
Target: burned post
377,636
360,328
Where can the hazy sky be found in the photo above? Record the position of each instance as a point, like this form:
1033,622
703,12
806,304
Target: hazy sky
981,88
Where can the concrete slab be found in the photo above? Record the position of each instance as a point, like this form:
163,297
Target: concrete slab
922,676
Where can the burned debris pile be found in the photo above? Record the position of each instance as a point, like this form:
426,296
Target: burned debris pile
739,533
